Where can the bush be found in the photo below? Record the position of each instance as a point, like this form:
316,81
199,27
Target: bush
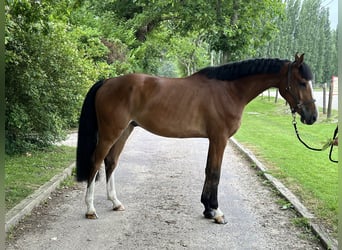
47,76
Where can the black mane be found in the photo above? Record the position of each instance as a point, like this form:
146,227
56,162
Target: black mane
233,71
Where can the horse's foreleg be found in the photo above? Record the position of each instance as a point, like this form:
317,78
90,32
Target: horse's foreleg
212,178
111,161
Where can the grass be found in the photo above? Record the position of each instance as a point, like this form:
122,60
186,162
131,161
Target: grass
26,173
268,132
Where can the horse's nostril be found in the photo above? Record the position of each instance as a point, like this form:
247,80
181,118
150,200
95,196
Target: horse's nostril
313,119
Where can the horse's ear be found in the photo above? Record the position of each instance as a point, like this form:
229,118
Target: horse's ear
299,59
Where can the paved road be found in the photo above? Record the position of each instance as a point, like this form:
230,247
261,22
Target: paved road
159,180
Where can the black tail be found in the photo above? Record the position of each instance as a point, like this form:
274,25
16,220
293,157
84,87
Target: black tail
87,134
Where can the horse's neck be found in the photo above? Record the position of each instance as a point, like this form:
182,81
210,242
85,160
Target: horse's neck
250,87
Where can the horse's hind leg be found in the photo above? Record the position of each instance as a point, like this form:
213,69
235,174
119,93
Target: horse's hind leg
111,162
102,148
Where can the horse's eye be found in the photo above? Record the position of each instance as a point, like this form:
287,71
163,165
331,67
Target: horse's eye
302,84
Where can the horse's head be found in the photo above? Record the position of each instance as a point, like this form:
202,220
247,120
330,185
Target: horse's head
298,90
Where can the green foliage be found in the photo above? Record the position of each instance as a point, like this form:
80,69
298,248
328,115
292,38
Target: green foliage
305,28
190,58
242,26
234,27
46,77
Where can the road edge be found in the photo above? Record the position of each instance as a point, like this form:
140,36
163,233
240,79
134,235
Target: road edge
327,241
26,206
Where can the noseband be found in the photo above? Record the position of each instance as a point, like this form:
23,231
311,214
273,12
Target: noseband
299,104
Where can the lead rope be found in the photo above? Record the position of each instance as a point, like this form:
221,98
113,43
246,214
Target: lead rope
330,143
300,139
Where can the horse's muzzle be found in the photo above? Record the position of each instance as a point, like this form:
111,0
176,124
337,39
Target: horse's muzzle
308,120
308,117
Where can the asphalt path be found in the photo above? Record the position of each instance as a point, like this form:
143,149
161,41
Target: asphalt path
159,180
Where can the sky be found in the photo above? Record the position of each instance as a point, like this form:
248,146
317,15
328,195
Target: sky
333,11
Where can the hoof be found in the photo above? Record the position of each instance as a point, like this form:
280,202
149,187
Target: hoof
91,216
119,208
209,214
220,220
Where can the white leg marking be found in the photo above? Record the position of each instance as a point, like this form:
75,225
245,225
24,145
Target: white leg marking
111,194
218,213
219,216
89,199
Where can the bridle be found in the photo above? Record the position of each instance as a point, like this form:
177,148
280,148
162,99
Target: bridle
299,105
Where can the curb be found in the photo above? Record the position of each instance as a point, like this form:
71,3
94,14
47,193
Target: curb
28,204
327,241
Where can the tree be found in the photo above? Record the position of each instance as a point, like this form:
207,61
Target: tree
234,27
189,58
243,26
305,29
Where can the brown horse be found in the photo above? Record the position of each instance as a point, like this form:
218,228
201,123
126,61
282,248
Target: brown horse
207,104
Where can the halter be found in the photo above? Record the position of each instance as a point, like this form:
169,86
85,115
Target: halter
299,104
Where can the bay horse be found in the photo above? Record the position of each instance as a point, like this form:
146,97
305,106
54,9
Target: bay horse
207,104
